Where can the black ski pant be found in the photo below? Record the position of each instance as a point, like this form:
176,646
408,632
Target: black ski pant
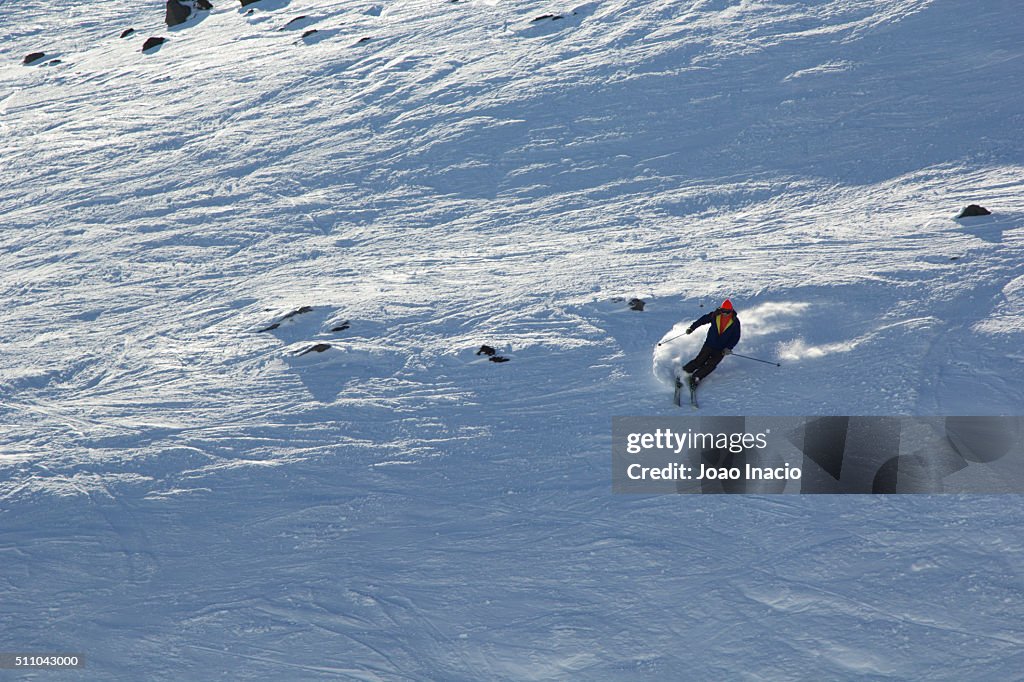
705,362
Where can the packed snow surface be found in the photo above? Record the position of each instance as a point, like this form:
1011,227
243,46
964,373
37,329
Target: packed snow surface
244,431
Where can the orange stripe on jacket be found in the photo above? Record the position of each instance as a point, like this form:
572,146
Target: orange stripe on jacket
728,320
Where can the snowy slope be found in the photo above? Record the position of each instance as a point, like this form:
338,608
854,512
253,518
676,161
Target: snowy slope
190,496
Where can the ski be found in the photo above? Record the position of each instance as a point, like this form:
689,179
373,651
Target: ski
693,393
679,389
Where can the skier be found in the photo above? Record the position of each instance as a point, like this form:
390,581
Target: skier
722,338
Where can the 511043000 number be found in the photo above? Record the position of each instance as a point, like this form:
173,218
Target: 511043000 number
10,661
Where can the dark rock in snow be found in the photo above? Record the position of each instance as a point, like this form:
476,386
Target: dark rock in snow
293,21
247,2
636,304
313,36
33,58
177,12
363,40
298,311
53,62
318,348
486,350
497,358
974,210
127,32
152,42
548,17
341,327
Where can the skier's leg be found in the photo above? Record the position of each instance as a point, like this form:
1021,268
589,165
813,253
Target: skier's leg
710,362
701,358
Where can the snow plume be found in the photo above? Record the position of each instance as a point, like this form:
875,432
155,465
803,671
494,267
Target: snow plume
769,318
669,355
798,349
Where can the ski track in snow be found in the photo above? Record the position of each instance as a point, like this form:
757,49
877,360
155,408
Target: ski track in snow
186,495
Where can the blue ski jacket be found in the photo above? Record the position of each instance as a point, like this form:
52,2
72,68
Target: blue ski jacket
724,332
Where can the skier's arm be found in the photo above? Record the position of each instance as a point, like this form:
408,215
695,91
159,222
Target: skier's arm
701,321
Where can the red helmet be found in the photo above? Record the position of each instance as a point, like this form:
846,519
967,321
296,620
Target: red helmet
727,305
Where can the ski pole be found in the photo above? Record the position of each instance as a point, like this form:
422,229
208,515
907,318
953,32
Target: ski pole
672,339
767,362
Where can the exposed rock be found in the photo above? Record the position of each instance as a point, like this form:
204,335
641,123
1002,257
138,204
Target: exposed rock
247,2
364,39
497,358
341,327
294,21
486,350
177,12
33,58
547,17
318,348
636,304
152,42
293,313
127,32
310,32
974,210
299,311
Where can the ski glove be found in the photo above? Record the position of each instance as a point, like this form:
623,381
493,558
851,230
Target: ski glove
727,351
689,330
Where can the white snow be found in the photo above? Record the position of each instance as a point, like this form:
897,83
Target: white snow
183,496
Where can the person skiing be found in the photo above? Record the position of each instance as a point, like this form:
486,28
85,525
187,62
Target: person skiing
722,338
